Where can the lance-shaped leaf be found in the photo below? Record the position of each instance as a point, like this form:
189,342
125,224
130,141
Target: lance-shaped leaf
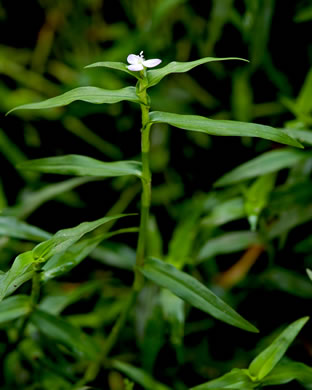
268,162
86,94
139,376
235,379
193,292
63,262
14,307
63,332
114,65
74,164
287,371
154,76
267,360
21,270
12,227
222,127
63,239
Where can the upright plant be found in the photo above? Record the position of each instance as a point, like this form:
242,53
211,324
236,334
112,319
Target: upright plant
55,255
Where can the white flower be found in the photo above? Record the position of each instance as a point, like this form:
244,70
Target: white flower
138,62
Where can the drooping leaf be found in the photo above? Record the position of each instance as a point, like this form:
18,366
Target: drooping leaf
74,164
86,94
228,243
114,65
139,376
268,162
263,364
235,379
222,127
192,291
12,227
63,332
14,307
287,371
155,75
304,136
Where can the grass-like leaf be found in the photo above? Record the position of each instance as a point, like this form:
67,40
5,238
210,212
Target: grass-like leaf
267,360
12,227
86,94
74,164
222,127
235,379
287,371
14,307
114,65
268,162
63,332
155,75
193,292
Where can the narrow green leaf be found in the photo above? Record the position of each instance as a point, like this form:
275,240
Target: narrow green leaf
287,371
257,197
226,211
235,379
139,376
32,200
63,239
267,360
63,262
309,272
86,94
304,136
12,227
222,127
114,65
228,243
14,307
155,75
268,162
22,265
63,332
193,292
74,164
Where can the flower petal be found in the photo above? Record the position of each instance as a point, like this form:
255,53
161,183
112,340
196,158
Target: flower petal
136,67
132,59
152,63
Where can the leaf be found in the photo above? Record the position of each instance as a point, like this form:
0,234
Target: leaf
63,239
63,332
222,127
309,272
228,243
139,376
154,76
22,265
227,211
74,164
114,65
21,270
304,136
257,197
32,200
14,307
235,379
268,162
287,371
192,291
63,262
86,94
267,360
12,227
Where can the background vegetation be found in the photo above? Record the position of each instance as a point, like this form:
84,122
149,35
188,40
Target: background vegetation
245,235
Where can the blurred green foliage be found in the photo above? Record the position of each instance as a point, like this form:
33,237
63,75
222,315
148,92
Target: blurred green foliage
234,213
